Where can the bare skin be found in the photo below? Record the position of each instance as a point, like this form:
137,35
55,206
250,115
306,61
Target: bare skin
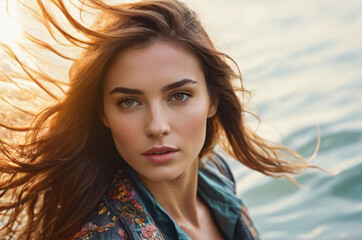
180,200
205,228
156,104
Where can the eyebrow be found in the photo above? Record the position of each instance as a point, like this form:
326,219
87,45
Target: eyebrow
164,89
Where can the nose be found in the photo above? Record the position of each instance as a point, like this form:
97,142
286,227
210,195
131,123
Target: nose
157,124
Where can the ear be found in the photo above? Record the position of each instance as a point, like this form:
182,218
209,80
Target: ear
213,108
104,119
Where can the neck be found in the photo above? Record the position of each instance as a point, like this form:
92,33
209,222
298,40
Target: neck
178,197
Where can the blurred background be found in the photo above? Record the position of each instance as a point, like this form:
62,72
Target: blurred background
302,60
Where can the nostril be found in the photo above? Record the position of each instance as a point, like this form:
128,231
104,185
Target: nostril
157,125
156,132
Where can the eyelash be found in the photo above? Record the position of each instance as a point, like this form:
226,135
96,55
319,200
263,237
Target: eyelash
186,94
122,101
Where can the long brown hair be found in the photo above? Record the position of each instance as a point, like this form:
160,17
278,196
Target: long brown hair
54,178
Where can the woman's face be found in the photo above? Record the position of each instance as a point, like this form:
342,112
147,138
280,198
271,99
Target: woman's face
156,105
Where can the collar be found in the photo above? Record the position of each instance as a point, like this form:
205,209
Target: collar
225,206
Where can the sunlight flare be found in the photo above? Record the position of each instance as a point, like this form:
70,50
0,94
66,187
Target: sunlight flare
10,31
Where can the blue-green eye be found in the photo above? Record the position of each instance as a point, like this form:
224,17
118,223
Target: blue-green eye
128,103
181,96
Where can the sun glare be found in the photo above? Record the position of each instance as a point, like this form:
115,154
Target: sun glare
10,31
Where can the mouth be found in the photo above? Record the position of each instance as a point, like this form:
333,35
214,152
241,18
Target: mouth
160,154
159,151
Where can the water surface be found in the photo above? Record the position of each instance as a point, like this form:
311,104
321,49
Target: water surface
302,60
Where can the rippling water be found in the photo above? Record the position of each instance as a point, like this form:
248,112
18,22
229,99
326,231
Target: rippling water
302,60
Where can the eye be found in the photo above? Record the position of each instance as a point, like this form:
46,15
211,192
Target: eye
181,96
128,103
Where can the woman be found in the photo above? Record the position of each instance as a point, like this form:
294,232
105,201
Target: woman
128,152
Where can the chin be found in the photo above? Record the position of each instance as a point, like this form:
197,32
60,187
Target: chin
162,176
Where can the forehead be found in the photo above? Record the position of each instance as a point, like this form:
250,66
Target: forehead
157,62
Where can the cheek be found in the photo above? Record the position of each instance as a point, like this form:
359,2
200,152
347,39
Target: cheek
191,123
125,130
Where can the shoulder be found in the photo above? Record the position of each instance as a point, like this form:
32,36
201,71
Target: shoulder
102,224
119,215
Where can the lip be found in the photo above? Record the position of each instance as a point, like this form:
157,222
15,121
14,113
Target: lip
170,152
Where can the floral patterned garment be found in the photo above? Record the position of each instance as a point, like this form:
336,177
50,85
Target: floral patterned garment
120,214
124,211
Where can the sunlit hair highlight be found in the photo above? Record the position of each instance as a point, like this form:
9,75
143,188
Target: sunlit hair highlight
58,173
